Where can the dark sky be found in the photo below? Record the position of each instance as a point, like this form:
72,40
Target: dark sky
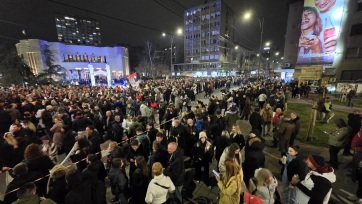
37,18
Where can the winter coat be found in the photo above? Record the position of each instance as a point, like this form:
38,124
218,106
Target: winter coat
119,183
316,188
230,191
238,139
256,121
221,143
139,186
265,193
225,155
58,190
175,167
203,151
286,129
230,119
33,199
267,114
158,189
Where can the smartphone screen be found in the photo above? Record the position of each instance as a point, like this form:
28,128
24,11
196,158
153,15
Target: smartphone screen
215,172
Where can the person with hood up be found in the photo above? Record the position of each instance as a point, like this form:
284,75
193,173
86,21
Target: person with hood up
203,152
316,188
337,140
231,116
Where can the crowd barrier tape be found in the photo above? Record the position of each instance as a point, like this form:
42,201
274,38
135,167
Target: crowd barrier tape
75,146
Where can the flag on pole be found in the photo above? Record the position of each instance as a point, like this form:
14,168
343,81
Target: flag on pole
132,78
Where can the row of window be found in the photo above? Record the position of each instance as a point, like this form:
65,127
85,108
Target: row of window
355,52
215,41
203,34
216,5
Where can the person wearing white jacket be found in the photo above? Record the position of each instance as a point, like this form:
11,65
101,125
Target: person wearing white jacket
316,188
159,187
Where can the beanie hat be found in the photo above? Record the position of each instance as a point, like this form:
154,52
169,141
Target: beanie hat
202,134
20,169
316,160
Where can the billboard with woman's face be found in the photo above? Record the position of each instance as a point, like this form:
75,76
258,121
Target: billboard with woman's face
320,28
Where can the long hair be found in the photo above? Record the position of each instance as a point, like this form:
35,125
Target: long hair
57,172
232,148
10,139
32,151
232,169
141,164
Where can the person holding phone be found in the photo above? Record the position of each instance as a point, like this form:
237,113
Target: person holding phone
231,184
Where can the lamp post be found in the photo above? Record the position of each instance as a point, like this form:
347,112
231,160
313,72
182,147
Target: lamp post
261,26
172,36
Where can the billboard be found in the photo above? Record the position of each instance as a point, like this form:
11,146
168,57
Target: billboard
320,28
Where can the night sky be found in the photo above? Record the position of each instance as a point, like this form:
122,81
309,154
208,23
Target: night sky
153,17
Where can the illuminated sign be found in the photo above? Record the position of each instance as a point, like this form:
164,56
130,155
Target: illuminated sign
320,29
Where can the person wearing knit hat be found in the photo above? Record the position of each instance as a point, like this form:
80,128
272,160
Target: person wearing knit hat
203,153
317,185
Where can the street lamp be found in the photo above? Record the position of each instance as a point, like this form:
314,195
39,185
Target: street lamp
261,26
178,32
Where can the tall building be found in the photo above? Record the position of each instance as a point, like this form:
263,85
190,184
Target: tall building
209,47
343,21
76,59
74,30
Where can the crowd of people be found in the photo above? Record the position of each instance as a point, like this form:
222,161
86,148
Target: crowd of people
153,136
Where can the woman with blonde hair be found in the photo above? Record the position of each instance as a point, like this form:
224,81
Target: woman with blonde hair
231,184
159,187
236,136
57,185
264,185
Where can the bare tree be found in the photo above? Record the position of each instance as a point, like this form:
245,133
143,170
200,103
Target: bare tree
151,55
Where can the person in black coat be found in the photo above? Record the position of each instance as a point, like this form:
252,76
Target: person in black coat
236,136
151,131
212,128
171,113
135,150
57,185
256,120
254,156
95,168
203,152
80,122
175,168
94,139
11,152
68,139
221,143
21,177
77,191
140,180
158,154
117,129
191,137
220,121
160,138
293,164
178,132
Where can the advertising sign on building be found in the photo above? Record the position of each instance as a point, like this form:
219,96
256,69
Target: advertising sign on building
320,28
346,87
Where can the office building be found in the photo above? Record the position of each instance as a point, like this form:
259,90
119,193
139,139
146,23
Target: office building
344,62
77,30
209,47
